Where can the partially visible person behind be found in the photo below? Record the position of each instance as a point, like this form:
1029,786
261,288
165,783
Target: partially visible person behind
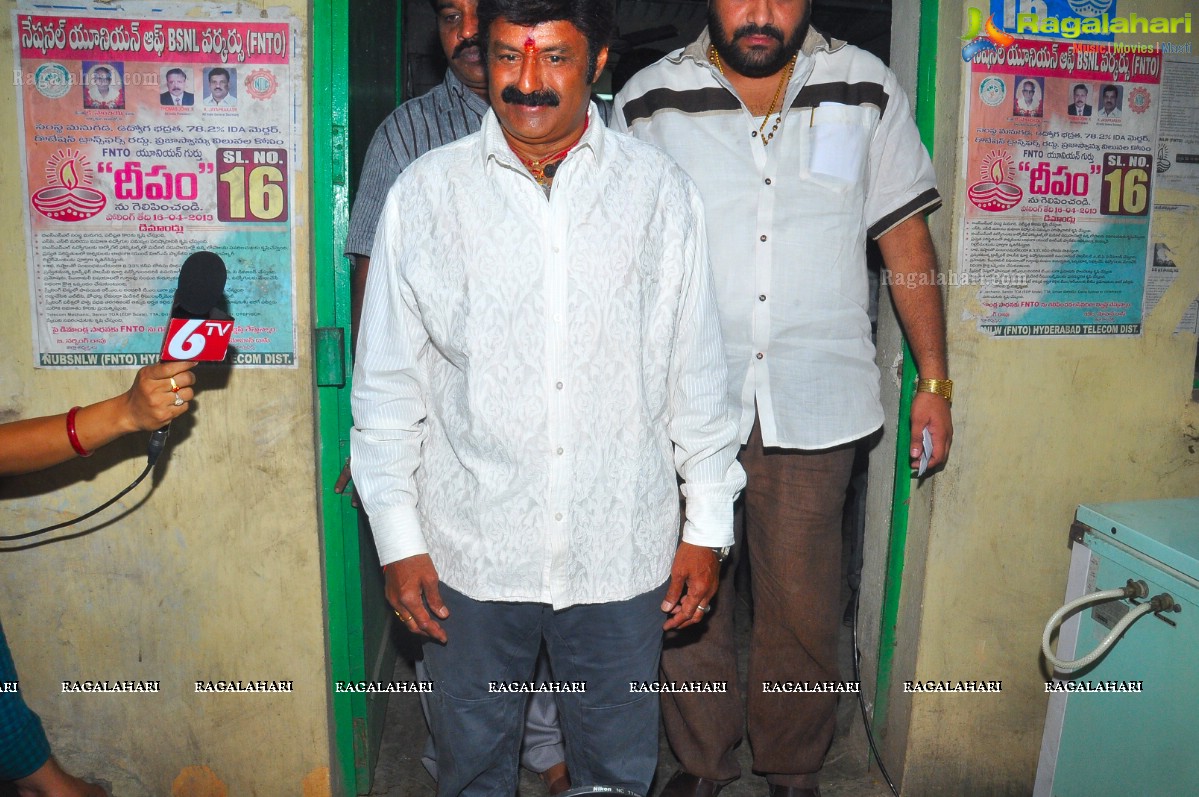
452,109
160,393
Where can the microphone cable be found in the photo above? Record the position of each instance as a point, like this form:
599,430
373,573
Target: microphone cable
200,287
157,443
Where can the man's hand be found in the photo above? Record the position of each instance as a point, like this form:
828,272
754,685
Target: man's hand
697,570
411,584
931,410
908,252
346,479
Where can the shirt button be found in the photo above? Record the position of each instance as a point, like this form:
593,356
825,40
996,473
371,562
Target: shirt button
754,134
759,355
558,385
762,239
561,450
558,516
761,297
767,181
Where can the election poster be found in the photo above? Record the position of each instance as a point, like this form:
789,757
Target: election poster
145,140
1060,151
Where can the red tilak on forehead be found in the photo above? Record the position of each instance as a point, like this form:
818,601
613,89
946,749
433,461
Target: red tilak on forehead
530,45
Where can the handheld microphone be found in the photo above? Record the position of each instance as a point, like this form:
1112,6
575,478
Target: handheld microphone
197,328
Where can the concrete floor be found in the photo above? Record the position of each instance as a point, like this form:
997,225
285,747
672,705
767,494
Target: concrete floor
400,774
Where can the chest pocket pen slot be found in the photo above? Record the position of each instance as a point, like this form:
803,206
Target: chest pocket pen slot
838,137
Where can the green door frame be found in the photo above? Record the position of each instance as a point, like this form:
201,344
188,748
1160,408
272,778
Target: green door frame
329,91
358,627
925,111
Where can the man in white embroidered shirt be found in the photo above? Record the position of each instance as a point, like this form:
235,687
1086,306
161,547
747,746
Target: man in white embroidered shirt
539,354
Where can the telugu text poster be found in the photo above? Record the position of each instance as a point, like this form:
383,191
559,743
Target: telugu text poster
146,140
1060,148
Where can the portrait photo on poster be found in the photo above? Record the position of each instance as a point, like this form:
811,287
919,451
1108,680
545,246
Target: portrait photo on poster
220,87
177,82
1029,99
103,85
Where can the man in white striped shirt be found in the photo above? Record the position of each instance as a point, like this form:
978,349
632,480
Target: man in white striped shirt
539,356
803,147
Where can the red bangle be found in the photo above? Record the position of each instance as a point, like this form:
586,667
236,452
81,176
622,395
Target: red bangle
73,437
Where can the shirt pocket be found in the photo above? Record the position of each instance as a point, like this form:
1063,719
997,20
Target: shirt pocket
836,143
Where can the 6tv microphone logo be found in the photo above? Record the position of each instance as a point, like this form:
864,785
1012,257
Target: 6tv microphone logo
197,339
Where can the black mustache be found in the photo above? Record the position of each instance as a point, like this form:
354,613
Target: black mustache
473,41
759,30
514,96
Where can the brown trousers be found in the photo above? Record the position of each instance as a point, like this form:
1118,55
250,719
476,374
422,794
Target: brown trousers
789,524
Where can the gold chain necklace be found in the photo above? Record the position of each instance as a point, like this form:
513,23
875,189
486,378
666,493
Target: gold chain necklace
543,170
714,57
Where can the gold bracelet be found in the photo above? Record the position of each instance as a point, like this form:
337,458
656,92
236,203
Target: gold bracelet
942,387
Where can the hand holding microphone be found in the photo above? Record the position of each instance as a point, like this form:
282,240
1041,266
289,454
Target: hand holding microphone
160,393
197,330
149,403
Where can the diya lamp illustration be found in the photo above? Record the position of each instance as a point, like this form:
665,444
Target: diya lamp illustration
69,196
995,192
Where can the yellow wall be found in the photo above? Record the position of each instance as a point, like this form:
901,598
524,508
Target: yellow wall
215,573
1041,426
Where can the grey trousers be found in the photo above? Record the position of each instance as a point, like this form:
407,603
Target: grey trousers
610,731
541,746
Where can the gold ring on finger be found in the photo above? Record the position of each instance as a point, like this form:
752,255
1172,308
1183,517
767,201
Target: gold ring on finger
174,385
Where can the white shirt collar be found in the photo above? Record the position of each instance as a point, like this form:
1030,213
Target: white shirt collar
496,149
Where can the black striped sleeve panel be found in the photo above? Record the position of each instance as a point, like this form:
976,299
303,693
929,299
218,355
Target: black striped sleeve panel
865,93
692,101
926,202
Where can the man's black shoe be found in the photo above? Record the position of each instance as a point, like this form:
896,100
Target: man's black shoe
684,784
792,791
